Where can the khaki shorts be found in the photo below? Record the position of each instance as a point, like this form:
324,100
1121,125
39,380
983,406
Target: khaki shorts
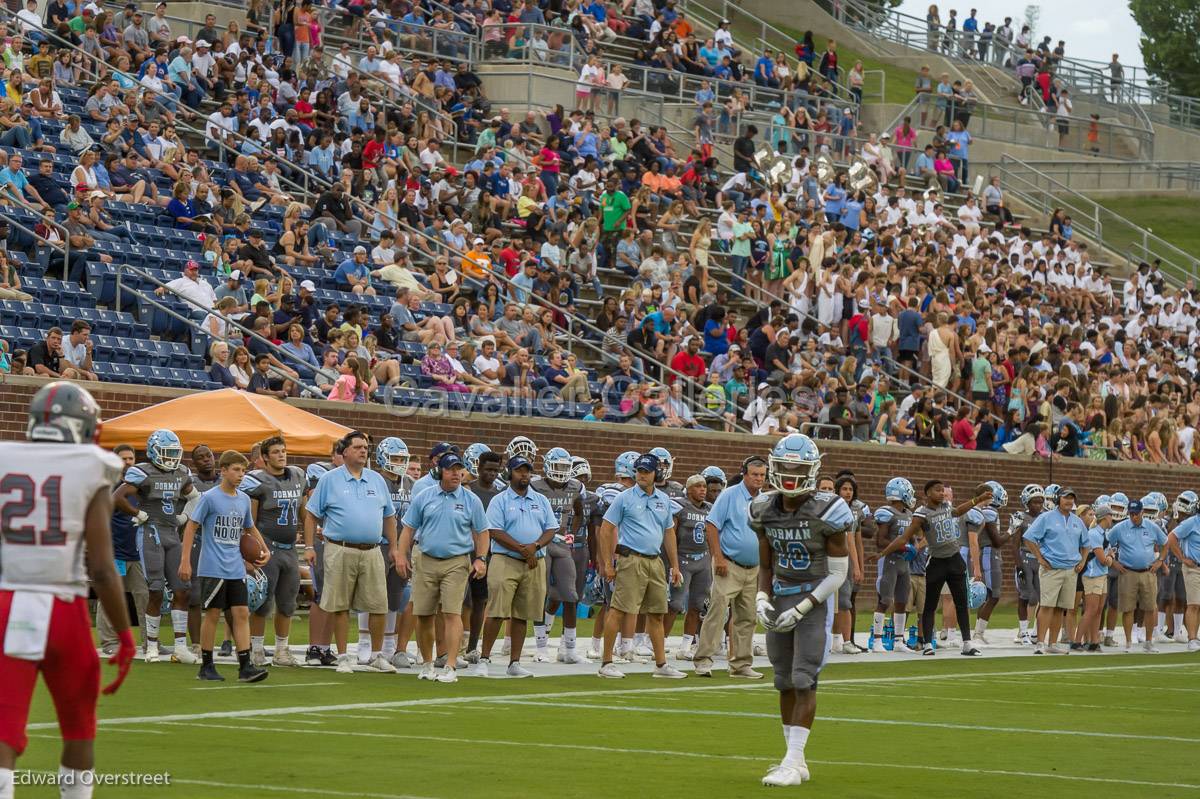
1137,591
1191,584
438,583
1095,586
516,591
917,581
1058,587
354,578
640,585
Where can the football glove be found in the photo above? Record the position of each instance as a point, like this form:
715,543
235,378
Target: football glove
141,518
764,610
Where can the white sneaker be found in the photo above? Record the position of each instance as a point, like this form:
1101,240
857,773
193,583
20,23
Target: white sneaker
903,648
943,635
848,648
258,657
1180,636
1128,650
1019,639
448,676
517,670
610,671
980,638
1160,636
593,654
380,663
1194,645
781,775
628,656
684,653
152,651
565,655
759,651
970,649
1027,638
1149,648
401,660
745,673
668,672
480,669
284,657
643,651
345,664
541,656
183,655
876,647
1039,649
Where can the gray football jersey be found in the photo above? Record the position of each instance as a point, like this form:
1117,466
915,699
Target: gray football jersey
798,538
203,485
970,522
689,526
605,495
941,529
278,498
484,493
894,522
1018,523
562,499
159,492
990,528
591,512
672,489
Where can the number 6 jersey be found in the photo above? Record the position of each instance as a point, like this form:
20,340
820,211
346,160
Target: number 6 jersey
45,490
797,538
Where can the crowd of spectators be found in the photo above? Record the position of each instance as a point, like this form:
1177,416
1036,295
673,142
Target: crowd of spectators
581,254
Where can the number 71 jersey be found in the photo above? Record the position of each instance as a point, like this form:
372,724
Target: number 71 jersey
45,490
797,538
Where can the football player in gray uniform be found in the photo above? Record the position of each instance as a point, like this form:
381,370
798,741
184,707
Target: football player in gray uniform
804,558
275,493
605,494
565,559
695,561
391,459
663,481
893,583
1029,591
320,623
987,565
714,477
163,485
484,467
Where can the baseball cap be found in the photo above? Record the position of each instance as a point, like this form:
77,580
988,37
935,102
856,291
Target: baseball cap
449,461
191,265
360,249
308,285
236,274
646,463
72,206
479,240
441,448
696,480
518,462
1135,505
1066,491
201,43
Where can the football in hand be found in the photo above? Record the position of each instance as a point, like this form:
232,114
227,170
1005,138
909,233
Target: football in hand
252,550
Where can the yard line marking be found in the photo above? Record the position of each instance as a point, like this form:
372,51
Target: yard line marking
853,692
458,700
1107,684
846,720
258,686
703,756
277,788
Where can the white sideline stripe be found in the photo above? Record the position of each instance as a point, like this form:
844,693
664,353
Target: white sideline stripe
703,756
457,700
259,686
1131,686
277,788
853,692
845,720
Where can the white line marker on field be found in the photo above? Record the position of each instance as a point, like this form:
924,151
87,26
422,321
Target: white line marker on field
458,700
703,756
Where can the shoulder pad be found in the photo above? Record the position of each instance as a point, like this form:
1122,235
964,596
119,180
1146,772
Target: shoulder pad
251,481
824,496
136,475
884,514
990,515
973,516
760,504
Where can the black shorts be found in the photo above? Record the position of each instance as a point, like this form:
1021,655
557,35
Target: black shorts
220,593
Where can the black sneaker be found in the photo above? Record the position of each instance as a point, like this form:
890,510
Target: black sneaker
313,656
209,672
226,649
1076,647
1094,648
328,658
252,674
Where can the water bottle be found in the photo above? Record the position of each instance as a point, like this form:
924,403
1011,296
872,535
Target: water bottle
889,635
912,637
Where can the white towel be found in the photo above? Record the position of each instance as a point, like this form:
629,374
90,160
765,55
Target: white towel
28,625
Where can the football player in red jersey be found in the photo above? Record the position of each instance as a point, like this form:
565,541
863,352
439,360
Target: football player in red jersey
55,509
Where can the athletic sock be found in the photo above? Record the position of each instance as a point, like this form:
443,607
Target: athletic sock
75,783
540,636
597,644
898,621
548,620
6,783
797,738
389,646
243,658
981,626
1162,620
687,641
281,643
508,642
179,620
206,657
1177,619
1024,623
152,623
877,625
256,643
838,642
376,653
389,623
568,637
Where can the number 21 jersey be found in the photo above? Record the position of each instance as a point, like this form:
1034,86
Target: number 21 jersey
45,490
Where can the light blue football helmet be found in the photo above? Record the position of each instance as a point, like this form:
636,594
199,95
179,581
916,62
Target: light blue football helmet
666,464
471,457
1118,504
999,494
257,589
581,470
899,489
976,594
523,446
623,467
557,465
1186,503
794,464
1154,506
1029,493
1051,493
391,456
714,474
164,450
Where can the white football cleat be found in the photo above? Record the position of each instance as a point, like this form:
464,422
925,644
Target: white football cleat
541,656
152,651
782,775
448,676
903,648
480,669
258,657
402,660
684,653
427,672
345,664
517,670
593,654
1180,636
182,654
610,671
971,650
668,672
565,655
1149,648
1027,639
1160,636
380,663
1194,645
284,657
980,638
850,648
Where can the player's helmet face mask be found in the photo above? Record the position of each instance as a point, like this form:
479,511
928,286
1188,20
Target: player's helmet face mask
999,495
1155,506
523,446
1186,503
1118,504
581,469
471,457
1030,493
624,464
793,465
164,450
899,489
666,464
557,465
63,413
391,456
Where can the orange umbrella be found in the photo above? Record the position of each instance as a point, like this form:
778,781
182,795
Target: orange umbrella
226,419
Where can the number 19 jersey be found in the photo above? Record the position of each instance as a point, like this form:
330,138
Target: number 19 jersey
45,490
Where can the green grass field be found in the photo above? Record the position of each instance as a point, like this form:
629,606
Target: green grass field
1170,218
1079,726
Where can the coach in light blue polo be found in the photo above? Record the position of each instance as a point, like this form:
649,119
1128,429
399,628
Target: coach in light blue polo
525,518
1138,541
734,548
1058,539
351,509
446,516
641,517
